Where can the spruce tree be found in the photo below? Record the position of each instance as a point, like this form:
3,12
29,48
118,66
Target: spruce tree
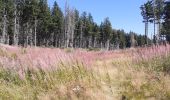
148,16
107,32
44,21
56,26
89,29
166,24
122,39
77,31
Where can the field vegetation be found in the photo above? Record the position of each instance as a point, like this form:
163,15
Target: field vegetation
78,74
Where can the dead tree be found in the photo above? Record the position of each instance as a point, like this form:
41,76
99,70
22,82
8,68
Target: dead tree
69,26
107,44
35,32
4,31
72,27
66,26
132,40
16,26
82,28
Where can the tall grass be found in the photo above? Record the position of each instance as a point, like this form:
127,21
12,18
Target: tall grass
148,76
58,74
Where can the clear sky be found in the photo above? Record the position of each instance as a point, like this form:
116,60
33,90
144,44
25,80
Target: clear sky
124,14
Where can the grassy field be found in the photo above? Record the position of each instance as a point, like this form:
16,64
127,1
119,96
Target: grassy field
77,74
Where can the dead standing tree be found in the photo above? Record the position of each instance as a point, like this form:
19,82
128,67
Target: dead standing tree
132,40
69,26
4,30
35,31
16,25
72,27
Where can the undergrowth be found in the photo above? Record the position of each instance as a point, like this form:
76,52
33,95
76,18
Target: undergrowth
66,82
103,79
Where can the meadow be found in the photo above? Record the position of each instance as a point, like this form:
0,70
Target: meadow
35,73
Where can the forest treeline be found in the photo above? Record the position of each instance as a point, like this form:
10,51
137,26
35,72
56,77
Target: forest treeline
34,23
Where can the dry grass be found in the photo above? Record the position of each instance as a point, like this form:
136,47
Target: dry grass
62,74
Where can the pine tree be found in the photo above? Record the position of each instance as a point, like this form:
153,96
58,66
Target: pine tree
107,30
159,7
148,14
83,29
56,26
32,22
29,14
1,10
121,38
89,29
1,13
4,22
44,21
101,35
141,40
166,24
7,21
77,30
95,35
34,18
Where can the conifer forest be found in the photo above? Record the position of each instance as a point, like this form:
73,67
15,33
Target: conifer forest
59,50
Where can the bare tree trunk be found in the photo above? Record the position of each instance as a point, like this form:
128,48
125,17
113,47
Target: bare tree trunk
4,31
81,36
146,33
133,41
8,39
154,22
101,45
15,36
66,26
89,42
72,27
158,31
35,32
107,44
56,40
69,26
67,31
31,36
94,43
27,32
154,32
27,41
117,43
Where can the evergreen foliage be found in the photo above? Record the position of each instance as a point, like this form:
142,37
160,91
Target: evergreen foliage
32,22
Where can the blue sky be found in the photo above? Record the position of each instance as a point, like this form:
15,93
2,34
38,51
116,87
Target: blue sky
124,14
